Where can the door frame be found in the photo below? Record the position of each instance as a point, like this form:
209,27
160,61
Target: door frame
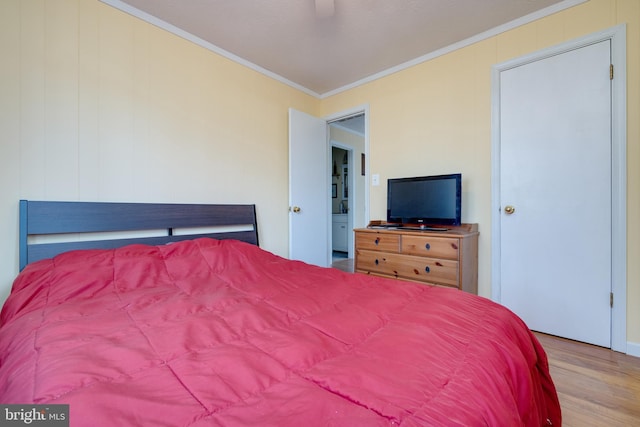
355,111
617,37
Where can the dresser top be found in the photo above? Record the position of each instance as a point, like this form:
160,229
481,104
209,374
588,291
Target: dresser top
439,230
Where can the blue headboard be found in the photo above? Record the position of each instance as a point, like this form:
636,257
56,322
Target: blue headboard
47,218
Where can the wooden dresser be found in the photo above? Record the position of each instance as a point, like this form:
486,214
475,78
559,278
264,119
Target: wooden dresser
445,258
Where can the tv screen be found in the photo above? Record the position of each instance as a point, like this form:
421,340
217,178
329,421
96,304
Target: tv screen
429,200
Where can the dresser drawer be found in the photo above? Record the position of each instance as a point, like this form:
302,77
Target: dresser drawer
438,271
448,258
431,270
376,262
378,242
435,247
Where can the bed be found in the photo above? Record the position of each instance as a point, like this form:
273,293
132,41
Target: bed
208,329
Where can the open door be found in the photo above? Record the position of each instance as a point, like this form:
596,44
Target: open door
308,189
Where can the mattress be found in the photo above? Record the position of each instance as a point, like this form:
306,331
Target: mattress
223,333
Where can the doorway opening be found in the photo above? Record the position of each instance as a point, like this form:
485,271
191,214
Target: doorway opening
340,158
347,165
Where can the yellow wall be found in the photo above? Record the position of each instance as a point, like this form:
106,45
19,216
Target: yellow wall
98,105
436,118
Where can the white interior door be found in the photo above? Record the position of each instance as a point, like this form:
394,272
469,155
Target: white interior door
309,209
555,171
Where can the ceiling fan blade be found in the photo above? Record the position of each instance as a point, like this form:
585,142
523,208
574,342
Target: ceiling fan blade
325,8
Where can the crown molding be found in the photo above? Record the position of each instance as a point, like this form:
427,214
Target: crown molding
124,7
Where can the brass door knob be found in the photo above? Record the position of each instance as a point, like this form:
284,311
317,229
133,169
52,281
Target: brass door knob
509,209
296,209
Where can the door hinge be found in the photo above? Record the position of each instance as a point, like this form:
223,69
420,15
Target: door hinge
610,71
611,299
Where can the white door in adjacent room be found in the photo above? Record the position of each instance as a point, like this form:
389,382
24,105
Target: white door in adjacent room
309,210
555,193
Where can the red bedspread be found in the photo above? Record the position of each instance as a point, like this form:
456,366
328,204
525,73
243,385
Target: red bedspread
222,333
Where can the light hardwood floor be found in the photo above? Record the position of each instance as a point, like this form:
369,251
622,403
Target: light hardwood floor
344,264
597,387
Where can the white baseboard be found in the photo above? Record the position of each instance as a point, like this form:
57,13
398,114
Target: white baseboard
633,349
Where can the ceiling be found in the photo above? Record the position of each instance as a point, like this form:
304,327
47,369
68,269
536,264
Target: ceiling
325,46
354,124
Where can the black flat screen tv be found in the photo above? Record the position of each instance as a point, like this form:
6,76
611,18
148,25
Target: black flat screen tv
429,200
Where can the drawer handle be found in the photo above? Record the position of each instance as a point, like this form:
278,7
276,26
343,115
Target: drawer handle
377,240
427,269
427,246
377,262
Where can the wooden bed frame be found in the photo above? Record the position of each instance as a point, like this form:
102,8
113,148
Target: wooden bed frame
47,218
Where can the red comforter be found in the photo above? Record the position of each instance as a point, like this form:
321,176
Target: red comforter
222,333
